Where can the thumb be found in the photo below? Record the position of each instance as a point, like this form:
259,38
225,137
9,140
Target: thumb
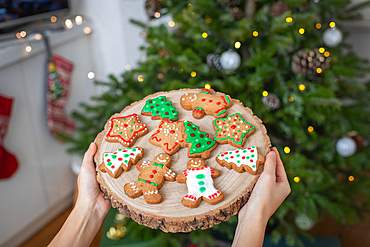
270,164
89,155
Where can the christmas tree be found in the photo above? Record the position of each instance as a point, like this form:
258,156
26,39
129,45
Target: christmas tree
289,62
199,142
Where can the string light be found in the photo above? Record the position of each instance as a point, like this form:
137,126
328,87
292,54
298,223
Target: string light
297,179
87,30
319,70
351,178
189,5
237,44
204,35
321,49
208,19
265,93
326,54
291,99
301,30
91,75
171,23
301,87
181,70
128,67
255,33
78,20
289,19
332,24
286,150
38,36
318,25
193,74
28,49
160,76
140,78
157,14
310,128
18,35
68,23
207,86
266,120
23,34
53,19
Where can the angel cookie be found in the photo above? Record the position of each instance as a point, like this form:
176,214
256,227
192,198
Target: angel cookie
242,160
151,178
122,159
233,130
125,130
205,103
199,181
160,108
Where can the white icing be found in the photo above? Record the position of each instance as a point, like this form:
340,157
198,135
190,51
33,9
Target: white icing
195,97
232,157
195,184
119,158
151,192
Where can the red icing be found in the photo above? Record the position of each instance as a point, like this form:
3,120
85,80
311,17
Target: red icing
218,103
210,101
112,166
108,160
151,176
154,171
203,99
120,159
233,126
172,132
243,157
132,154
252,151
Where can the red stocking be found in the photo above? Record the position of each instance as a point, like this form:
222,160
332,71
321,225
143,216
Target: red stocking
8,162
59,83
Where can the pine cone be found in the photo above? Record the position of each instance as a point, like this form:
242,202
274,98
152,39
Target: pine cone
230,3
237,13
279,8
272,101
163,53
359,139
151,7
308,61
213,61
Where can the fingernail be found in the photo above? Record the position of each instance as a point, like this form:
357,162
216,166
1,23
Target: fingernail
271,154
91,145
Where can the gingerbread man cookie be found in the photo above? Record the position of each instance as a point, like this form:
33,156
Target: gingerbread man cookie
151,178
160,108
242,160
205,103
233,130
199,181
169,136
122,159
125,130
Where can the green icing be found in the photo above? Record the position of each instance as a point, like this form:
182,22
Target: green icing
202,189
156,164
106,155
200,176
114,156
126,155
160,106
201,182
109,163
199,141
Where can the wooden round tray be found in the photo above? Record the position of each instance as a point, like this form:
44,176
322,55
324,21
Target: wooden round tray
171,215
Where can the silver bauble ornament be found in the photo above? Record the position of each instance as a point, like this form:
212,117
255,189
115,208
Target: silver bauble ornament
303,222
230,60
346,147
332,37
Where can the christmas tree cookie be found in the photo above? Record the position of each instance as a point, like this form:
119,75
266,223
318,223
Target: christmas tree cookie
151,178
233,130
205,103
122,159
198,142
160,108
169,136
241,160
125,130
199,181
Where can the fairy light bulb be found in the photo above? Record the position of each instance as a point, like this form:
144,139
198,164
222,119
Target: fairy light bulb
321,49
204,35
265,93
291,99
310,128
193,74
53,19
78,20
140,78
351,178
286,150
68,23
207,86
289,19
332,24
171,23
238,44
28,49
297,179
318,25
91,75
255,33
301,31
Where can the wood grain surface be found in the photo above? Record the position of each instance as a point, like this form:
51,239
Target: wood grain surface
171,215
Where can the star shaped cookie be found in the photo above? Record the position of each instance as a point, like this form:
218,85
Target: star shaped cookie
125,130
169,136
233,130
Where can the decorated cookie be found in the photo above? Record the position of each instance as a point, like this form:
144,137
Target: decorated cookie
125,130
122,159
198,142
160,108
199,181
151,178
169,136
233,130
205,103
241,160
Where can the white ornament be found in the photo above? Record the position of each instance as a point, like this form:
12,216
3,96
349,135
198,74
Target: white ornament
303,222
332,37
346,147
230,60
